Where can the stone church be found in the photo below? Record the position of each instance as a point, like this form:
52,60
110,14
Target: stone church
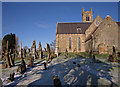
98,35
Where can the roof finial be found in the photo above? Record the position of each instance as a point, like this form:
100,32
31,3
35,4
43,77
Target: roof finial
83,10
91,10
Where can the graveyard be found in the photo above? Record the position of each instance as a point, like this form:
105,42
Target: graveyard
44,67
59,44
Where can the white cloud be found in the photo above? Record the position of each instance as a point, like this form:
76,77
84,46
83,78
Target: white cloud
43,25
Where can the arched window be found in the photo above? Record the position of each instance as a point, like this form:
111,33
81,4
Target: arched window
79,45
69,42
87,18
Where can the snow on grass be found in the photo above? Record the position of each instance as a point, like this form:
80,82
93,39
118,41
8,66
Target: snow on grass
88,74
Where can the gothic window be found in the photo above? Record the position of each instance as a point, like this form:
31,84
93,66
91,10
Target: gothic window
87,18
79,43
70,43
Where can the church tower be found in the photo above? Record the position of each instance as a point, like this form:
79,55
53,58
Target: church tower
87,16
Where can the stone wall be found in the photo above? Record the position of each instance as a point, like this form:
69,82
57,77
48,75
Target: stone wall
62,42
106,36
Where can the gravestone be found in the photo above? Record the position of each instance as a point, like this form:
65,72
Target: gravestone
40,51
90,54
56,81
75,52
7,57
93,58
113,57
11,78
10,57
33,50
13,59
31,63
66,53
20,50
48,51
45,66
22,67
56,51
24,53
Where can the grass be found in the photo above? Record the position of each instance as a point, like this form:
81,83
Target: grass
101,55
84,54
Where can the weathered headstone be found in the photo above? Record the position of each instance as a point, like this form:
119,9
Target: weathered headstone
48,51
56,81
114,49
31,63
113,57
24,53
22,67
40,51
93,58
45,66
13,59
10,57
75,52
11,78
33,50
7,57
66,53
20,50
56,51
90,54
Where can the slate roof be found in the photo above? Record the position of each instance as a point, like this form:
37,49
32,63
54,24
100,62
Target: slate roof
71,28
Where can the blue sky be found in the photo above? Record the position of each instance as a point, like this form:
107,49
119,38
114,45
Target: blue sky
38,20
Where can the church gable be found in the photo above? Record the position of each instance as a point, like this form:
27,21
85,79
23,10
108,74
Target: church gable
107,33
93,26
107,25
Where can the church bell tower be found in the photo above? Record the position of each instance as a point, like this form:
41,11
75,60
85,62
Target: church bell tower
87,16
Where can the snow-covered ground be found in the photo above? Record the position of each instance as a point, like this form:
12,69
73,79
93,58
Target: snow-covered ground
70,74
